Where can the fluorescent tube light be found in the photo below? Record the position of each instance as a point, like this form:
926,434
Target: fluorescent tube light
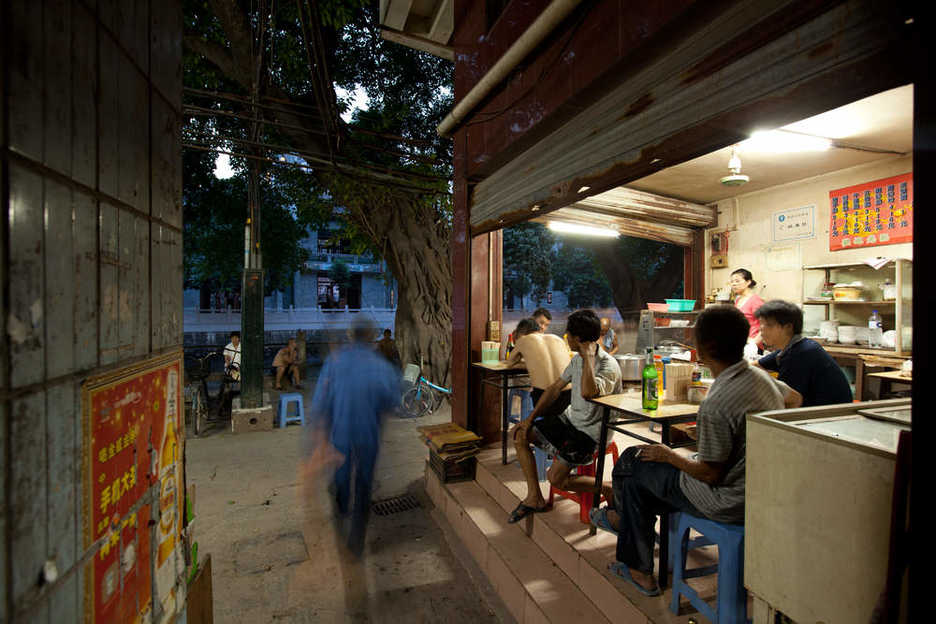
587,230
779,141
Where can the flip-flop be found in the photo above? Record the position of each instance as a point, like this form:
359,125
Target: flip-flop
622,571
599,518
522,511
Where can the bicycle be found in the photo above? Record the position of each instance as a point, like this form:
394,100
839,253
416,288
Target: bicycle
205,408
423,397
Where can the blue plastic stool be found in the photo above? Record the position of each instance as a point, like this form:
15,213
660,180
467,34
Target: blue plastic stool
282,415
731,604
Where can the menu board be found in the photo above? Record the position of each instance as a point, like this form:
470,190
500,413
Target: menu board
133,438
871,214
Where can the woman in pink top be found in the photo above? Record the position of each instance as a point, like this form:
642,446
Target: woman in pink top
742,287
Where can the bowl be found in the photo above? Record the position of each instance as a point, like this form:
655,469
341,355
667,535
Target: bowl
680,305
848,334
658,307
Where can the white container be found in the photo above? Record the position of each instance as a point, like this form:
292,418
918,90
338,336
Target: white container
848,334
889,339
828,330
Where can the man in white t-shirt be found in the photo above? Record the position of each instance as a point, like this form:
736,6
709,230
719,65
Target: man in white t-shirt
232,356
571,437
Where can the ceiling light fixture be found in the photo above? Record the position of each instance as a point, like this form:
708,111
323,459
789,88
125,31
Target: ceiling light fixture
587,230
583,189
535,207
736,178
782,141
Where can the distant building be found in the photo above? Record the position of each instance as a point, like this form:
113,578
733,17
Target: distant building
366,283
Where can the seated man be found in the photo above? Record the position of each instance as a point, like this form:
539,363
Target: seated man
802,363
387,348
571,436
653,479
609,341
545,357
286,362
232,356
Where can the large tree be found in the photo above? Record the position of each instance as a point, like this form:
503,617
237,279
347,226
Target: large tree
387,173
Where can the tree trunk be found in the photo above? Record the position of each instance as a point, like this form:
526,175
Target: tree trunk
630,293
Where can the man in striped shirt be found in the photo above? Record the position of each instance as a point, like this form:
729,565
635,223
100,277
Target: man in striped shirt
652,479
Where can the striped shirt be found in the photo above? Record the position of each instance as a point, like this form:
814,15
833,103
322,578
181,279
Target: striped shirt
738,391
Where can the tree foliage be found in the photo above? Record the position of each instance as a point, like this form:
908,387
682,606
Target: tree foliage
577,274
528,261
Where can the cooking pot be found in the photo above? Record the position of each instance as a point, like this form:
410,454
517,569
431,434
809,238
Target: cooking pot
632,366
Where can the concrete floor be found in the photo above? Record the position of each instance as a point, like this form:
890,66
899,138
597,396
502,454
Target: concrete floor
275,556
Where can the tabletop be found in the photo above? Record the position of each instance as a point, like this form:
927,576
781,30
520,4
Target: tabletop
893,375
500,367
632,404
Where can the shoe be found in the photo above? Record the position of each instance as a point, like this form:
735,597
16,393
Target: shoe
622,571
599,518
522,511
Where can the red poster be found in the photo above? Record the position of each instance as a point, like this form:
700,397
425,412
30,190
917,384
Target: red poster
133,437
871,214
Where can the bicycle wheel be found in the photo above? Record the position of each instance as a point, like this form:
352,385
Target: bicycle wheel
199,411
415,403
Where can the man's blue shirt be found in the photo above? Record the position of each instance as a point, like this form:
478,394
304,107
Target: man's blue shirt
807,368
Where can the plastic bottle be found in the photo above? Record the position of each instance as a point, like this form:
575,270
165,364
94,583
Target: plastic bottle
660,367
875,329
649,384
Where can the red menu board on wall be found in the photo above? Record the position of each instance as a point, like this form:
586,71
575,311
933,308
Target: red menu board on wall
132,473
871,214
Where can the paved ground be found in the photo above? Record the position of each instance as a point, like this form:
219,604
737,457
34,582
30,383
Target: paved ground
274,554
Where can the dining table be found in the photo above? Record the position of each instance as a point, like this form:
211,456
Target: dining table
628,408
498,374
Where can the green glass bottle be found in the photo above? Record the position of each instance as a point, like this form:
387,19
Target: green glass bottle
648,383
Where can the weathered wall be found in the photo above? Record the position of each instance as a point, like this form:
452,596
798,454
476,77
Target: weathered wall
90,256
750,236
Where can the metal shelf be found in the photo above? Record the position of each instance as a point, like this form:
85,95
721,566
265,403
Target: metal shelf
881,303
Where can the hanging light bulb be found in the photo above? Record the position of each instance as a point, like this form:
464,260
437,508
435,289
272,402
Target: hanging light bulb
734,166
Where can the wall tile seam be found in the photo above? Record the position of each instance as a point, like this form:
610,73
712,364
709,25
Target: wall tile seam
14,157
43,594
20,392
129,57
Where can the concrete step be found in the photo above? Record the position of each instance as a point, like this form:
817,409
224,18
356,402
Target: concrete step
531,585
582,557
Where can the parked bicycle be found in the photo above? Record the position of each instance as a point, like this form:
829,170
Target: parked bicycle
207,409
422,397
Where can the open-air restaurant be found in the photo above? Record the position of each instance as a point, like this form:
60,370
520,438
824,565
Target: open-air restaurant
729,454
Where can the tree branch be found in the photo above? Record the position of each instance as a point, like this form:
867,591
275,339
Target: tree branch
219,56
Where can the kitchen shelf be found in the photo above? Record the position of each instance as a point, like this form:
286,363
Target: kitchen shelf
897,312
817,302
649,334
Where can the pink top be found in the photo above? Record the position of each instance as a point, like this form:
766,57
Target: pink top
749,307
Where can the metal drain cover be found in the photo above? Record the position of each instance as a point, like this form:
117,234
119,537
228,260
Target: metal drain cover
394,505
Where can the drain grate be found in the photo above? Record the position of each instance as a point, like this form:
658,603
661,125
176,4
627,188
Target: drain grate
394,505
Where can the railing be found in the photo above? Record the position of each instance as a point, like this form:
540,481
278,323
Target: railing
196,320
357,263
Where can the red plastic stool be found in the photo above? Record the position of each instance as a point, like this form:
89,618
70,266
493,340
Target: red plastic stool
584,499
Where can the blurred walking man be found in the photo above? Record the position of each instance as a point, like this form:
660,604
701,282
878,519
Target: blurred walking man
355,390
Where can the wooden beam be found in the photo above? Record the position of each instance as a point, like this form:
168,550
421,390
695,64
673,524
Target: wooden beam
443,22
418,43
395,13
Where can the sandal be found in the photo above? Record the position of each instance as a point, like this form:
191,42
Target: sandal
622,571
522,511
599,519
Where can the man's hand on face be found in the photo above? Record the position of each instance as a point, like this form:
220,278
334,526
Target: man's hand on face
587,349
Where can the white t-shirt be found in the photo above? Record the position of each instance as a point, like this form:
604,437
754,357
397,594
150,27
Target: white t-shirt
230,351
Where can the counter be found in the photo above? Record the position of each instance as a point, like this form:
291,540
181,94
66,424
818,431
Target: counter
818,510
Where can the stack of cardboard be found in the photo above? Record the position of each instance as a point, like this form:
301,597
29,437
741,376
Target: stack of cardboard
451,451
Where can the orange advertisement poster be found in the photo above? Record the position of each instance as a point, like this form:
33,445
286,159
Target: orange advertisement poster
133,485
872,214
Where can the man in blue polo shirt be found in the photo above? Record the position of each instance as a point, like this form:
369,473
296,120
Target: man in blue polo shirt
802,363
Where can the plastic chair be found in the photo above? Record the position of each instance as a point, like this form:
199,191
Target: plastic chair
282,415
731,603
584,499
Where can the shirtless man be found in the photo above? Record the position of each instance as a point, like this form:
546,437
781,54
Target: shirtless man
286,363
545,356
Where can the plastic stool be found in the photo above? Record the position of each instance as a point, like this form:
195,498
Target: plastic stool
282,415
584,499
731,603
